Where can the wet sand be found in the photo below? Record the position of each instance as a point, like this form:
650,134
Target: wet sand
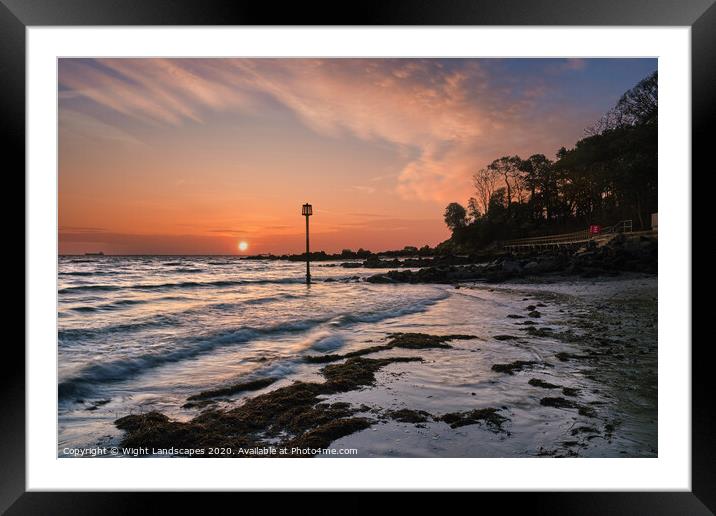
567,368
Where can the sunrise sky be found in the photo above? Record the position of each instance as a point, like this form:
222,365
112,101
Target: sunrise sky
194,156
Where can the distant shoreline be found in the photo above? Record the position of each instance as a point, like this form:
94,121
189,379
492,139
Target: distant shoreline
624,253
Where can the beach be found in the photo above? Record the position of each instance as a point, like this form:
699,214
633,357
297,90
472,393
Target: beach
412,257
162,352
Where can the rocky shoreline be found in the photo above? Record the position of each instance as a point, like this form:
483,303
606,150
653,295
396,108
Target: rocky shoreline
621,254
576,359
295,417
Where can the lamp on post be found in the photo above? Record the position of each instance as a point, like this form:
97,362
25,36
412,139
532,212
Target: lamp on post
307,211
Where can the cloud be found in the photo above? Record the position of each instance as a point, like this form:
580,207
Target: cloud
363,189
75,124
575,64
228,232
448,117
81,229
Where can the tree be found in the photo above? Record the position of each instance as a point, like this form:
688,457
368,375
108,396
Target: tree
608,176
508,167
638,106
473,211
539,181
455,216
485,183
498,204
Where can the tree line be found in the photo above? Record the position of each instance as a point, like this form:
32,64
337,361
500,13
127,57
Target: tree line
608,176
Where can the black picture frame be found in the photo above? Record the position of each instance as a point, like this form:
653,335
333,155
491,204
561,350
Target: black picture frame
16,15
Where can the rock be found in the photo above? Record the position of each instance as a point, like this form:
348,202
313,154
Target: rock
558,403
532,267
511,266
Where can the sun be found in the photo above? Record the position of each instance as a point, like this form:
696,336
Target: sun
243,246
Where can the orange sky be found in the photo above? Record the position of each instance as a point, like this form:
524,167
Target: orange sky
192,156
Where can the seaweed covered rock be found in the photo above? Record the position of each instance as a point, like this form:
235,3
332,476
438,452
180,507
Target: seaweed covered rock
295,414
488,416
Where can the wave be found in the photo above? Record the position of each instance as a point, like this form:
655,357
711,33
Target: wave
416,307
88,333
88,273
181,284
121,369
157,320
326,341
124,368
120,304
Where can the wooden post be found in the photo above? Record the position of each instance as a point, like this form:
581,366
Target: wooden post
307,211
308,256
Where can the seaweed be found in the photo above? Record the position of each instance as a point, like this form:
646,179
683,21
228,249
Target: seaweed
253,385
512,367
558,403
324,435
586,411
539,332
570,391
356,372
293,413
409,416
536,382
489,416
423,340
584,430
322,359
396,340
566,357
98,404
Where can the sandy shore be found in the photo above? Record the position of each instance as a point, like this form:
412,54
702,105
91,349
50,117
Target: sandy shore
584,382
568,368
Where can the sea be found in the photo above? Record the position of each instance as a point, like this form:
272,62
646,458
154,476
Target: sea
143,333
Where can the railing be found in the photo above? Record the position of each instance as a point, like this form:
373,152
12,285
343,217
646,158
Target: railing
624,226
577,237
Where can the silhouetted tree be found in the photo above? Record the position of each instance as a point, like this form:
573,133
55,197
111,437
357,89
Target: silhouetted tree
473,212
638,106
607,176
508,167
455,216
485,183
540,183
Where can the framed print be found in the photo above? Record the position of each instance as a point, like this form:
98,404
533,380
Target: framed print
414,250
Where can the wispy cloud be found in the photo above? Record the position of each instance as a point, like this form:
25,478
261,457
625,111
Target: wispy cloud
449,116
575,64
80,229
75,124
363,189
